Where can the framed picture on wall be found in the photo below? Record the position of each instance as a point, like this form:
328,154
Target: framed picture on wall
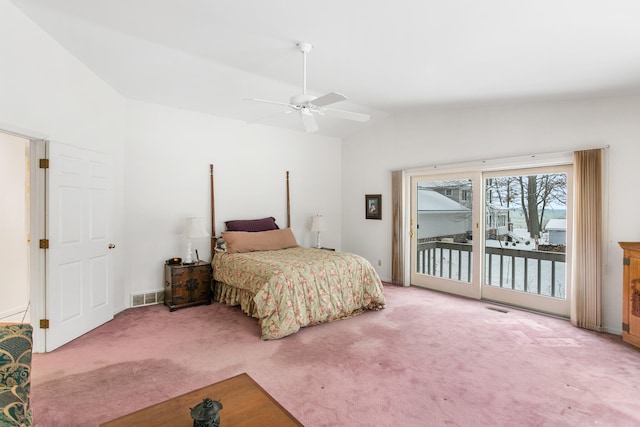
373,206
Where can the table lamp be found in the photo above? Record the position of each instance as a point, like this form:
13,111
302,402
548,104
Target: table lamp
318,224
194,229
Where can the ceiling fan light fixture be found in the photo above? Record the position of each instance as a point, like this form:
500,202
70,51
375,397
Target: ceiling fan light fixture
308,120
301,99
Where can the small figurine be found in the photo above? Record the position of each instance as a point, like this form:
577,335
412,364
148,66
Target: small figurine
206,413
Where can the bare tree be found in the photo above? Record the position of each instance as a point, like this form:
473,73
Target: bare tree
535,194
539,193
504,190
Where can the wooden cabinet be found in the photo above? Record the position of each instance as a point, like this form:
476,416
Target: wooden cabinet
631,292
187,285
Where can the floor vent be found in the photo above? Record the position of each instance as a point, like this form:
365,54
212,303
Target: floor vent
147,298
501,310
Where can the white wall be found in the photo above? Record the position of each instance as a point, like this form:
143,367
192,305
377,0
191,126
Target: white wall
452,135
168,153
14,229
46,92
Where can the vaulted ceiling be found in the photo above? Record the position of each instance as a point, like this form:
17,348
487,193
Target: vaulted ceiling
387,57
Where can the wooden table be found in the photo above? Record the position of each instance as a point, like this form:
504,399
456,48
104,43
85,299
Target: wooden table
244,403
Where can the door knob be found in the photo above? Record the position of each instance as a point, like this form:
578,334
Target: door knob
111,246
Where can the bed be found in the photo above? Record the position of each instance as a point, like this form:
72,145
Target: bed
262,269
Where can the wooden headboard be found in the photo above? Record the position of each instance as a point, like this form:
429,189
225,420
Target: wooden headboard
213,208
213,212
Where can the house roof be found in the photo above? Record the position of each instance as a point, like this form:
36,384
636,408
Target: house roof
497,207
556,224
430,201
387,57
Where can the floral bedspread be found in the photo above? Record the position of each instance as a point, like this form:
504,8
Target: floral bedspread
291,288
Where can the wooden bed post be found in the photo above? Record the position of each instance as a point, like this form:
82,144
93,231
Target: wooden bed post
288,203
213,213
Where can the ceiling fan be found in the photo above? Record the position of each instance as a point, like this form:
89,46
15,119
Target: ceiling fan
308,105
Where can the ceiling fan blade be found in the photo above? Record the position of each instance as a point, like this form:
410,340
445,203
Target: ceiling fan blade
329,98
270,102
309,122
349,115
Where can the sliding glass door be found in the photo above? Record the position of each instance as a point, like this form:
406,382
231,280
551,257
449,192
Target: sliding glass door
500,236
444,226
527,238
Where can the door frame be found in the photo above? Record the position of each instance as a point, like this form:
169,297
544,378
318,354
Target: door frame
481,166
37,229
38,217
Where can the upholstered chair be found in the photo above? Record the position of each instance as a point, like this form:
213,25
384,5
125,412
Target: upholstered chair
15,374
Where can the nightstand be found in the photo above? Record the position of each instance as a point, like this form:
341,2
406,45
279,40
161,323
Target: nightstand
187,285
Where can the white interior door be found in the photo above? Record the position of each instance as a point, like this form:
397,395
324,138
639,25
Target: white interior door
79,290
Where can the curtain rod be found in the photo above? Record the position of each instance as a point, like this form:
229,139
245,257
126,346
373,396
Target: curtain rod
539,159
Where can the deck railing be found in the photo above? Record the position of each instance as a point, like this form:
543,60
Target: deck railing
531,271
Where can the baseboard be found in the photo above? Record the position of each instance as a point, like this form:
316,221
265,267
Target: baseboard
612,331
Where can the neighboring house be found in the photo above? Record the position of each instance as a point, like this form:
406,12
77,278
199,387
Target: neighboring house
497,221
456,192
441,217
557,229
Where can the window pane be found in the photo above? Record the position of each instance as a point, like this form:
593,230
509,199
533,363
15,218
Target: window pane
444,229
526,232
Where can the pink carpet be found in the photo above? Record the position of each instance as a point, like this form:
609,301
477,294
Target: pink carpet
428,359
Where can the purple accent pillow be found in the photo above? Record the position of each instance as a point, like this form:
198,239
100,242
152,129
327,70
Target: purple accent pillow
252,225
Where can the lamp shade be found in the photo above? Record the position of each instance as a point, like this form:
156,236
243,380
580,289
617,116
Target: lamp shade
194,228
318,223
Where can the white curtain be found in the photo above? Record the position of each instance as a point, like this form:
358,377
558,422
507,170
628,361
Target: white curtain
586,309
